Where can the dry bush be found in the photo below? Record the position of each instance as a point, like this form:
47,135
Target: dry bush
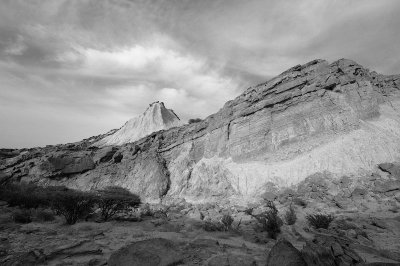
114,200
269,221
194,120
227,221
320,220
145,210
72,204
290,216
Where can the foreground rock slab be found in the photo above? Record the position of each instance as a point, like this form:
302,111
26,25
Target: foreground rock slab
151,252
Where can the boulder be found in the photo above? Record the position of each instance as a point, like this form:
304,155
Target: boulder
104,155
67,164
317,255
283,253
150,252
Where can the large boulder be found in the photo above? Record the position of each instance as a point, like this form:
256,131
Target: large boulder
283,253
316,255
68,163
104,155
150,252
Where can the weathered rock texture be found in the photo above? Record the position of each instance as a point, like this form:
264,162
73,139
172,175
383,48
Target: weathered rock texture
155,118
318,117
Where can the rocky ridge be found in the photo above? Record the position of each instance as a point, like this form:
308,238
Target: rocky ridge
337,118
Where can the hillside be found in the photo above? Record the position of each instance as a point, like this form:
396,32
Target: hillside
339,119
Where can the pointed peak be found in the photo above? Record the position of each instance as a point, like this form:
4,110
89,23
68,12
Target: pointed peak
156,117
157,103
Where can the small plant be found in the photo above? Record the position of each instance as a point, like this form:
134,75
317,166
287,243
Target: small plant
319,220
194,120
161,213
72,204
22,216
290,216
145,210
113,200
269,221
227,221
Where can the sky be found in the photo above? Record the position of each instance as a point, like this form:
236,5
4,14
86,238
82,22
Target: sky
71,69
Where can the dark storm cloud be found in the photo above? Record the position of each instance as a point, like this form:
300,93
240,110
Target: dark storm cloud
71,69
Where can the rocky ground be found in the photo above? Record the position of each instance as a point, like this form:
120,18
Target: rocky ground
365,231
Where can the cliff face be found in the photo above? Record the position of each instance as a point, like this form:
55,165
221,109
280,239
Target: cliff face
339,117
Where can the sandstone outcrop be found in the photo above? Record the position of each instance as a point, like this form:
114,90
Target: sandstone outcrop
339,118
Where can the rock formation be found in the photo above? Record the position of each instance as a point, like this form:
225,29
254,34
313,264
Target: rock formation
318,117
155,118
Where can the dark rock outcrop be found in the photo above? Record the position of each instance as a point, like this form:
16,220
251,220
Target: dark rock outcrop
283,253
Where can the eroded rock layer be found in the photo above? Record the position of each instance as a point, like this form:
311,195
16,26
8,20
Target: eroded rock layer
318,117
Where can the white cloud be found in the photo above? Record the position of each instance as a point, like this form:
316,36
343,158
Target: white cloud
164,74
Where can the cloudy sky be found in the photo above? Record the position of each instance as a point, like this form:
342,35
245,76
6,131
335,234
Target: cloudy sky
74,69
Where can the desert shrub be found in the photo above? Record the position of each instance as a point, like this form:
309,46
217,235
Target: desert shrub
23,216
72,204
300,202
145,210
224,224
269,221
44,215
113,200
290,216
319,220
227,221
194,120
23,195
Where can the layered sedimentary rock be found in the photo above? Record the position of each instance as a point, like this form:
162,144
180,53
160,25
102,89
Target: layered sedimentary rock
318,117
155,118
